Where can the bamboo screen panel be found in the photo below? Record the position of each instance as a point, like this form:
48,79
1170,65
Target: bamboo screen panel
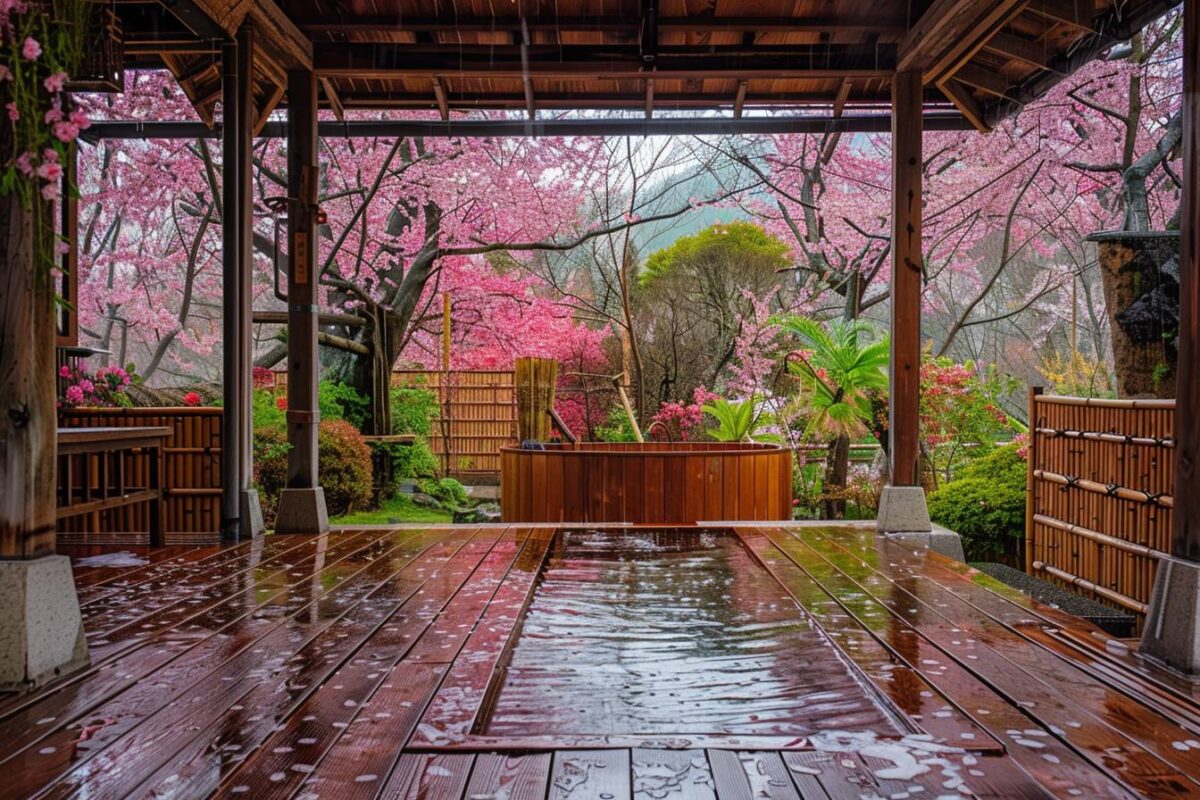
479,416
1101,478
191,472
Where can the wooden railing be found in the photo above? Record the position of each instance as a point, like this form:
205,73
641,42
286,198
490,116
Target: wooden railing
191,470
1101,485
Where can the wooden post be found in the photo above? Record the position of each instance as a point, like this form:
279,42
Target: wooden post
68,330
1031,462
238,516
303,415
905,373
1187,387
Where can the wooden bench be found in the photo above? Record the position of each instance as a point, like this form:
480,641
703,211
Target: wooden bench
94,476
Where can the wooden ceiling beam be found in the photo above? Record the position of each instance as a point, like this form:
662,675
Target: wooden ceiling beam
950,32
262,115
624,24
439,95
1080,14
593,100
1026,51
375,61
982,79
739,99
276,33
965,102
333,99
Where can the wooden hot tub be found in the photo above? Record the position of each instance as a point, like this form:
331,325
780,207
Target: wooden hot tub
650,483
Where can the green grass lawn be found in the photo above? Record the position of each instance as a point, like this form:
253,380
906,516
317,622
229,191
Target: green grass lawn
399,509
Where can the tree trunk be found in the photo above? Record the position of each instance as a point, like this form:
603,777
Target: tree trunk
837,468
28,417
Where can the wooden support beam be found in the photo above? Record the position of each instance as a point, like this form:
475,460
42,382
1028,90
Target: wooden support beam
1186,542
303,319
965,102
1080,14
1007,45
950,32
279,36
334,99
68,329
629,25
650,98
263,115
237,108
740,99
581,62
982,79
439,96
905,371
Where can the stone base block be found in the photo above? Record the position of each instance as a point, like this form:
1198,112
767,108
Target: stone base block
302,511
250,514
903,509
1172,631
939,540
41,630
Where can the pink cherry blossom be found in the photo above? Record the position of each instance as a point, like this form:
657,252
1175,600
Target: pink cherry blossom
31,50
55,82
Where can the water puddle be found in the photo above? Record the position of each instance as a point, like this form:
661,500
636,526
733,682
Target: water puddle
671,632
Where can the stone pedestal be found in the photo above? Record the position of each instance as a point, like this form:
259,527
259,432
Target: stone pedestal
1172,631
250,514
902,509
302,511
41,630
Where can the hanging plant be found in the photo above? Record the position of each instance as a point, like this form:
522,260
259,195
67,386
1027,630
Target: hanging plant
41,45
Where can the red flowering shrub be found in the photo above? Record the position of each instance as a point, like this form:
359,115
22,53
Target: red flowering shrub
345,463
345,467
681,419
192,399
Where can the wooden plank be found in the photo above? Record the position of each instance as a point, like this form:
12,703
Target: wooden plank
750,776
176,658
519,777
1059,716
663,774
713,489
635,490
458,704
893,663
363,650
655,502
428,776
590,775
904,374
143,716
694,486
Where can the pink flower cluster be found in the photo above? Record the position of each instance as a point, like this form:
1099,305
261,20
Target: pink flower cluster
681,419
64,125
82,388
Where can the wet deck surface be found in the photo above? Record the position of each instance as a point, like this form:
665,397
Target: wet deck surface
360,664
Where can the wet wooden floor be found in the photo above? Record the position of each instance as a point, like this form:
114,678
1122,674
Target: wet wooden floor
357,664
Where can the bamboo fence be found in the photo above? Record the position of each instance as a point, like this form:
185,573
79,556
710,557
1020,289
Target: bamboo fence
1100,493
191,474
478,409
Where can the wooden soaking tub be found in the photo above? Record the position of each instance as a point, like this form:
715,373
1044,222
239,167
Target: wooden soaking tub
646,483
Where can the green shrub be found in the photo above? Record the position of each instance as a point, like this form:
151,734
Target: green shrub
616,427
265,411
985,504
338,400
446,491
413,410
270,468
345,462
414,460
345,467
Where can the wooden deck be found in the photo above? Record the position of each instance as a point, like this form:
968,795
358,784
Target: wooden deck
355,665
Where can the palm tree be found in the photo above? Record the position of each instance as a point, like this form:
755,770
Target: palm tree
840,363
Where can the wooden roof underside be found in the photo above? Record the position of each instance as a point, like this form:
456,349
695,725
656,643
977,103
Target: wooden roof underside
984,57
